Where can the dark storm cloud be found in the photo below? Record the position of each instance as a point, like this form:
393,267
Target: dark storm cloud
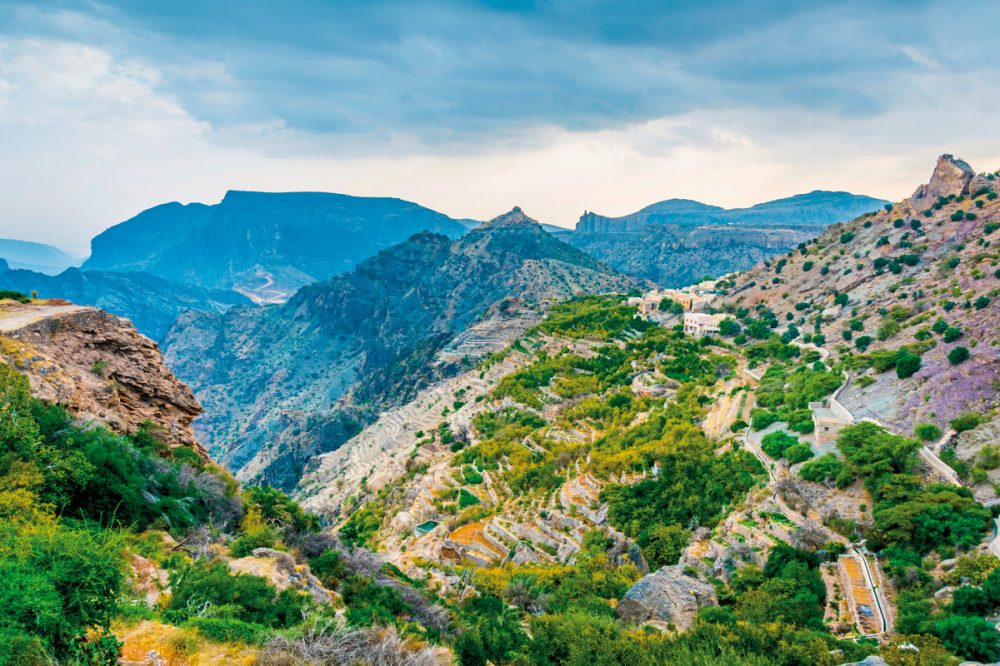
453,70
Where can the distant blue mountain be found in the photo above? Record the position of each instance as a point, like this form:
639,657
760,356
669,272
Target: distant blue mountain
265,245
150,302
35,256
813,210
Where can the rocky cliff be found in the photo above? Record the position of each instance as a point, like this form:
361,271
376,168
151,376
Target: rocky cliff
263,244
98,367
679,241
282,384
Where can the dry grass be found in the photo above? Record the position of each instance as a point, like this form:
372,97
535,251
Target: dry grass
152,643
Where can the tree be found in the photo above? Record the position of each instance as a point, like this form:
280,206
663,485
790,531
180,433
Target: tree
662,544
969,637
729,327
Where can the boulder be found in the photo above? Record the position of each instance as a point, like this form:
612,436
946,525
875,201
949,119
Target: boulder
668,596
281,571
951,176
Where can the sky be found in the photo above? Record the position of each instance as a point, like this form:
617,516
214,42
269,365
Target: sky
470,108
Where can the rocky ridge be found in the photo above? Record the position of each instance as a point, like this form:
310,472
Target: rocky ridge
270,407
99,368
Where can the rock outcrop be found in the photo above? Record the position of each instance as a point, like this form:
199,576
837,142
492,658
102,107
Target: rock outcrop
667,597
281,571
951,176
99,368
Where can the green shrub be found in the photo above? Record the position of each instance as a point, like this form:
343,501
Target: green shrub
229,630
907,363
827,468
958,355
329,567
204,584
927,432
798,453
952,333
964,422
777,443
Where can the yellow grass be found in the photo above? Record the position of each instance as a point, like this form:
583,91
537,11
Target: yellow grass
178,647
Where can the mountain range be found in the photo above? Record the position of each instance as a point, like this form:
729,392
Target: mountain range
35,256
283,383
151,303
264,245
678,242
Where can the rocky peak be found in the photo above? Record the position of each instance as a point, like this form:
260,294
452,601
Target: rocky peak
951,176
514,217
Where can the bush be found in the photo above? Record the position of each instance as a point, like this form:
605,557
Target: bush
777,443
907,363
927,432
798,453
329,567
827,468
964,422
229,630
952,333
958,355
204,584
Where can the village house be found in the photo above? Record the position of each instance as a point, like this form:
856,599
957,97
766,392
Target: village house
700,323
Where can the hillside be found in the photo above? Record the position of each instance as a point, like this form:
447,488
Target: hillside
35,256
601,473
282,384
265,245
919,274
152,304
677,242
120,543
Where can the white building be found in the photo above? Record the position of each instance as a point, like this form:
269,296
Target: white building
699,323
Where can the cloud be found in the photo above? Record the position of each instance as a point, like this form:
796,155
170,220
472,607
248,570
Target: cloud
108,108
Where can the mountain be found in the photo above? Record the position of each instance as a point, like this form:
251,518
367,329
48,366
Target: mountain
283,383
819,208
265,245
149,302
919,276
35,256
679,241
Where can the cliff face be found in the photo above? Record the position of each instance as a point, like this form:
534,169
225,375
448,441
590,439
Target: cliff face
677,242
282,384
675,256
98,367
265,245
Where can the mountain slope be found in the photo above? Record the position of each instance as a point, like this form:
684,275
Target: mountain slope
263,244
35,256
898,272
679,241
149,302
283,383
